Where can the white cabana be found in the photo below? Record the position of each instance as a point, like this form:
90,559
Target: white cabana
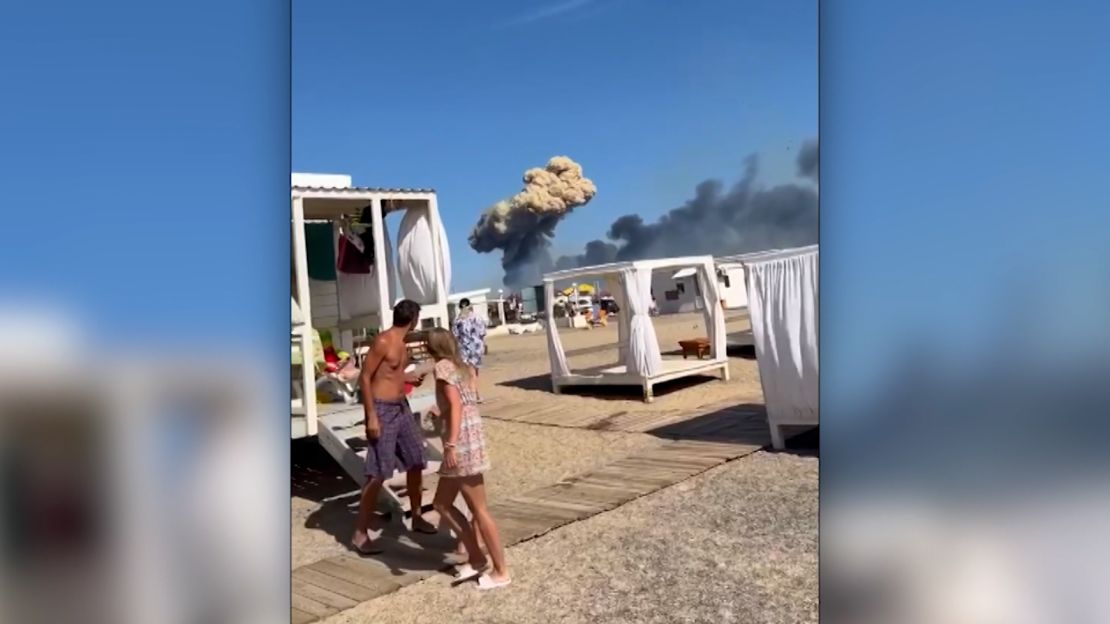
640,360
783,305
353,304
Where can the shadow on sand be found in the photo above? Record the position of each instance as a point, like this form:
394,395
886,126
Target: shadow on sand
745,423
318,478
404,551
542,383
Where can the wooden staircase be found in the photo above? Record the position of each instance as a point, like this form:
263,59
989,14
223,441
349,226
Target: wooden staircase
342,434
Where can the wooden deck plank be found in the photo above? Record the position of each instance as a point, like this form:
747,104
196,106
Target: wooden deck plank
536,515
594,499
523,517
631,482
334,583
603,490
676,460
658,457
510,525
584,490
358,572
312,607
540,509
647,468
560,500
321,595
301,617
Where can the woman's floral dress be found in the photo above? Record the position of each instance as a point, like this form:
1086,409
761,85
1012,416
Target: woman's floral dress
470,447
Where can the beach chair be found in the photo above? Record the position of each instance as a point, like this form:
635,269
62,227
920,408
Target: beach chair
348,390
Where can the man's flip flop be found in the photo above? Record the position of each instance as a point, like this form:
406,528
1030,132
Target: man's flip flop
465,572
425,527
486,582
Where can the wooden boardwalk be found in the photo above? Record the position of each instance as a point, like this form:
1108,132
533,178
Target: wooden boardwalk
687,447
637,419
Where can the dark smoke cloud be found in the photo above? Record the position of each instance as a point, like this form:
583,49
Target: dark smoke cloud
597,252
808,160
717,221
522,226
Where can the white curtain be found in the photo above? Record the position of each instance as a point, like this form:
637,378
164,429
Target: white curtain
358,292
783,303
555,352
643,356
613,286
416,259
712,311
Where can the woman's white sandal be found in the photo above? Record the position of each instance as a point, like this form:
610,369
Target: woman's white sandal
486,582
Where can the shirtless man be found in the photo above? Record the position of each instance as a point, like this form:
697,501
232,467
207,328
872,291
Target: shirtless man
390,430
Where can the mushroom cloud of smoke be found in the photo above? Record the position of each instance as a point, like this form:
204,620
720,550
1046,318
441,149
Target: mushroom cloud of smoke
745,218
522,226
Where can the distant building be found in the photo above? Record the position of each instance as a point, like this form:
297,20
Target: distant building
479,300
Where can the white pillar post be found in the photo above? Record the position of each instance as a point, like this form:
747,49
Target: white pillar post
308,365
381,271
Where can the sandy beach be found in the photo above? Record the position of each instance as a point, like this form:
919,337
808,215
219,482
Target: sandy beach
724,546
735,544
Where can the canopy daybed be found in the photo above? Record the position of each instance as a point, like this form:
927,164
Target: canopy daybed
783,306
640,362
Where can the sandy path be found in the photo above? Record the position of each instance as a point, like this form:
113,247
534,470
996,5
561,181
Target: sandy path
524,456
736,544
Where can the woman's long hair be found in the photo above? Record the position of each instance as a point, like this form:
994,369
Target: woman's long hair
443,346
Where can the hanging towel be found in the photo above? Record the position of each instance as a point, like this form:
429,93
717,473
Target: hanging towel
320,251
352,257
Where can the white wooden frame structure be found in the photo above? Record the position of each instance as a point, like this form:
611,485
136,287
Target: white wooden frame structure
619,375
778,416
317,203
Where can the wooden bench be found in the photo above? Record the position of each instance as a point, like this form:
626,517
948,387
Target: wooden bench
696,346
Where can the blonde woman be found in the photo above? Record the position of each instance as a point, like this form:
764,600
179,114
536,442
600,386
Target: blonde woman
464,462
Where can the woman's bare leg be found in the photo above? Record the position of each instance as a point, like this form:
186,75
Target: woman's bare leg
444,503
474,376
476,526
474,492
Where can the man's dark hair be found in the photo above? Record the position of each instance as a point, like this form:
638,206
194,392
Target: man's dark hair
405,313
464,303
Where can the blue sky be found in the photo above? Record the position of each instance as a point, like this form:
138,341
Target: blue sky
651,97
963,149
963,167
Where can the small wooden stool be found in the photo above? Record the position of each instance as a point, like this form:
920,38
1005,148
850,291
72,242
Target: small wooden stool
696,346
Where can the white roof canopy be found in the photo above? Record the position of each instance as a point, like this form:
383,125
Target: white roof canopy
613,268
770,254
334,203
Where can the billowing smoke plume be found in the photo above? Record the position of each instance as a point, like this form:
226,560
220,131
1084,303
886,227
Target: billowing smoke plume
597,252
522,226
808,160
716,221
